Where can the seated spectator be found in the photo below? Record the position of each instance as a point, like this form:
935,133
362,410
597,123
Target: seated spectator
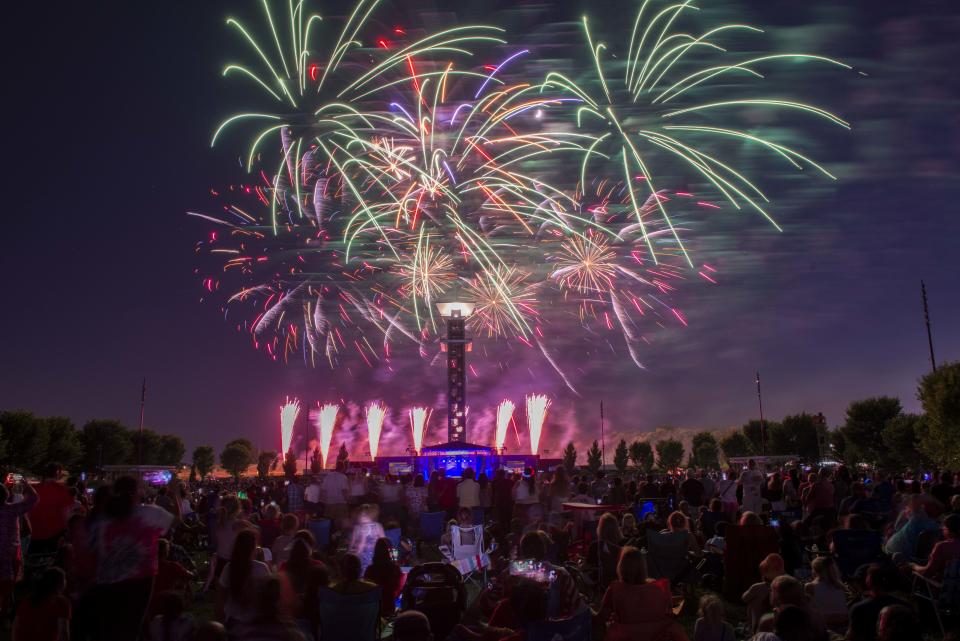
710,518
711,626
898,623
637,607
280,549
171,577
385,573
533,547
826,593
235,596
757,597
865,614
269,525
909,526
858,492
268,619
791,547
171,622
528,602
412,626
943,552
747,544
349,581
297,568
44,615
785,592
677,522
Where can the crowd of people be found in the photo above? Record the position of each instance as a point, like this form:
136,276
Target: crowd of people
778,554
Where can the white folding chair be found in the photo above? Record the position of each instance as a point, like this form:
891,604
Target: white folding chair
468,545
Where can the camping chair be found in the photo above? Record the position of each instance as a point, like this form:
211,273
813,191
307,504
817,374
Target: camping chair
855,548
320,529
668,557
349,617
573,628
942,595
437,590
468,546
431,525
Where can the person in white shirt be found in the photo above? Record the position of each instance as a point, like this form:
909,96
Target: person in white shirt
312,496
334,496
468,491
752,479
235,597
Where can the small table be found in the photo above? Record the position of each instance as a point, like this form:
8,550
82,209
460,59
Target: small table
593,506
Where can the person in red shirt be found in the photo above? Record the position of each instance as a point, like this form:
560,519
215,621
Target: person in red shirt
171,577
48,518
446,493
44,615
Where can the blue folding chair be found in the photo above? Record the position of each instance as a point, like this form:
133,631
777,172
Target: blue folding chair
394,536
320,529
431,525
349,617
574,628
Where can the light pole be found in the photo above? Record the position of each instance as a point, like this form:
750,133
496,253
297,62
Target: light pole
456,345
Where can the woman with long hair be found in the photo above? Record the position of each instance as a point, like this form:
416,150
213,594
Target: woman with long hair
827,594
385,572
235,593
229,522
635,607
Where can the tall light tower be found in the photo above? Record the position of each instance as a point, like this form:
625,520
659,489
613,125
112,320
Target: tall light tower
456,345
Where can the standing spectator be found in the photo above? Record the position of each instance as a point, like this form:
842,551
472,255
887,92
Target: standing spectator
312,497
727,489
525,495
446,493
709,486
692,490
127,559
357,488
294,496
751,481
10,555
45,614
385,572
48,518
468,491
502,497
366,532
416,497
335,492
486,492
818,501
600,487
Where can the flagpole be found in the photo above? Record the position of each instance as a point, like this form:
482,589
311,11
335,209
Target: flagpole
143,402
603,442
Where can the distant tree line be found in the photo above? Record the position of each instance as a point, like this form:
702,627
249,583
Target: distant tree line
28,442
875,431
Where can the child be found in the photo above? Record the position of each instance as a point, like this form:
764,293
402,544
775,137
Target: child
366,532
757,596
171,624
711,626
827,594
45,614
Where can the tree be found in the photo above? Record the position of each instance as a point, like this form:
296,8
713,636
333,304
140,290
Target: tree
594,458
144,448
171,450
756,433
641,455
105,442
901,437
939,393
570,457
797,434
863,430
705,450
193,474
669,453
290,464
736,444
237,456
620,457
264,462
26,440
203,460
343,457
64,446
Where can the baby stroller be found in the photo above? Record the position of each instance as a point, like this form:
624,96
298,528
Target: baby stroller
437,590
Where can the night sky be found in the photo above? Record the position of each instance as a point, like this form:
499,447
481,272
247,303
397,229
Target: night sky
110,108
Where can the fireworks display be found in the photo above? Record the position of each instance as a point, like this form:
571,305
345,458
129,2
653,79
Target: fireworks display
324,420
419,417
375,415
537,406
289,412
389,172
504,416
